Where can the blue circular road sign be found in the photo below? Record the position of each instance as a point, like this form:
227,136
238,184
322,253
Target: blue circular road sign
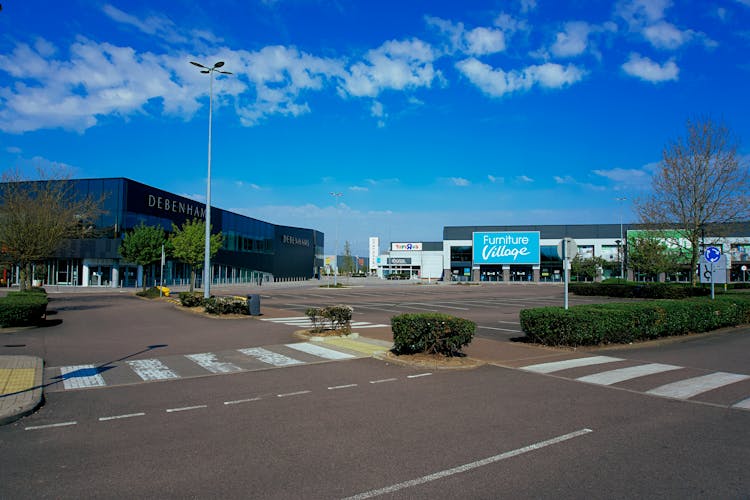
712,254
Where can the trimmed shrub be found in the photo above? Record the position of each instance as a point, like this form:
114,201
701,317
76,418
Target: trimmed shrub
191,299
638,290
619,323
338,317
433,333
23,308
151,293
226,305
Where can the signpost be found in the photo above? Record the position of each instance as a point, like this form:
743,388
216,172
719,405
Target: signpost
567,248
714,269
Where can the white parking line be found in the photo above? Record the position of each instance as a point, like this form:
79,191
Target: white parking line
419,375
50,426
298,393
119,417
186,408
500,329
383,380
688,388
240,401
347,386
556,366
470,466
614,376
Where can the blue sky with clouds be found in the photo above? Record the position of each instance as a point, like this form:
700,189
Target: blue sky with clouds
421,113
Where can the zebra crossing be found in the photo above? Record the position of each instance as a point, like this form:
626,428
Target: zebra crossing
304,322
126,372
731,390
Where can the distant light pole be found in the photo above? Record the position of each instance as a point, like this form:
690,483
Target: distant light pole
622,256
207,254
336,248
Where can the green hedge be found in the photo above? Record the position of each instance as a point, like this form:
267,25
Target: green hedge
226,305
23,308
191,299
639,290
618,323
338,317
433,333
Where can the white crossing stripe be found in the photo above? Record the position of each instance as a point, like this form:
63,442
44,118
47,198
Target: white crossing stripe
321,352
81,376
151,369
744,404
688,388
623,374
269,357
569,363
304,321
208,361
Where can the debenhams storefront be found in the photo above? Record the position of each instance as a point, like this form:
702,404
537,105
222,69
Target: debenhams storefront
252,251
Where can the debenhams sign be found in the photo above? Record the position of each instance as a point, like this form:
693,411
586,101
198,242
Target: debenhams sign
175,206
294,240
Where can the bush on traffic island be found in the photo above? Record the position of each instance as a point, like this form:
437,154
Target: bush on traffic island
337,318
638,290
431,333
23,308
191,299
226,305
622,323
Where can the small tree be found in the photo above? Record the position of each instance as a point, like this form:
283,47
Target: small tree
37,216
143,245
347,266
701,180
586,268
189,245
648,253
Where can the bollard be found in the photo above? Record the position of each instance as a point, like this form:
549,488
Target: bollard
253,304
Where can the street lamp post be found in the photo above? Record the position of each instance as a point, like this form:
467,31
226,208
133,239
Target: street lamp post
207,253
336,247
622,260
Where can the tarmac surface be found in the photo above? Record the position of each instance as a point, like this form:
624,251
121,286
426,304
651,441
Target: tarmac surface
24,378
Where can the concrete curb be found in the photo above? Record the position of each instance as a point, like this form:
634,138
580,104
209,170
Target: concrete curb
21,391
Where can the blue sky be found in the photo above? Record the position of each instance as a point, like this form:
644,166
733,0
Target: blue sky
421,113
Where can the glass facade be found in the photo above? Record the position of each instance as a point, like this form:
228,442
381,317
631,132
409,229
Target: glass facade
252,250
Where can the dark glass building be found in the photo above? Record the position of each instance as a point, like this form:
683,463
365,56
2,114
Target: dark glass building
252,250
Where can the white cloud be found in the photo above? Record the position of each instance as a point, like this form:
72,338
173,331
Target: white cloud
496,82
664,35
459,181
14,150
638,13
159,26
573,41
628,178
483,41
358,188
524,178
495,180
647,17
395,65
650,71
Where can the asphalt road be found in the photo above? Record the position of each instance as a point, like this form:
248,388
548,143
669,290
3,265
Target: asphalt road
365,427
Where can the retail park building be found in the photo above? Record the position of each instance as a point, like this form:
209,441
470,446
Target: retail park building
254,251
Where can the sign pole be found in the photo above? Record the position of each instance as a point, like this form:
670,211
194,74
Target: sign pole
565,273
712,281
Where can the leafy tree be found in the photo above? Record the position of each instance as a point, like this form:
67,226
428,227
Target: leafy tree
143,245
701,180
648,253
347,266
37,216
189,245
586,268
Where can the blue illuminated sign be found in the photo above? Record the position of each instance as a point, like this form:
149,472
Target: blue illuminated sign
517,247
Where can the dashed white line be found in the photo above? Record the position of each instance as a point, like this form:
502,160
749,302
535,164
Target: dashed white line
298,393
419,375
470,466
499,329
383,380
118,417
240,401
186,408
347,386
50,426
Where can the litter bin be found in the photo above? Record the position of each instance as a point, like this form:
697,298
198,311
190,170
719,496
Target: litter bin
253,304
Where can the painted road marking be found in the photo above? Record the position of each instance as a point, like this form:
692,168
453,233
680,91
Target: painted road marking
319,351
151,369
383,380
688,388
208,361
240,401
186,408
623,374
419,375
50,426
569,363
470,466
298,393
119,417
745,404
305,322
347,386
269,357
500,329
81,377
